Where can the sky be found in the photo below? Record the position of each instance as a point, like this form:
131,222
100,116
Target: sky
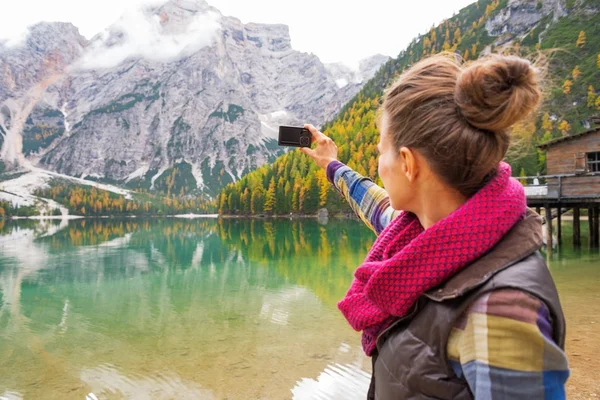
335,30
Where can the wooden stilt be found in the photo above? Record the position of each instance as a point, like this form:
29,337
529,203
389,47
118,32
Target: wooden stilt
548,228
576,228
596,227
591,229
559,227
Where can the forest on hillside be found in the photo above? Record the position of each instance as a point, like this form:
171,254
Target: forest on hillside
294,184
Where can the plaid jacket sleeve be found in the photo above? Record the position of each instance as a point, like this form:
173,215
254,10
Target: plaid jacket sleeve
369,201
502,345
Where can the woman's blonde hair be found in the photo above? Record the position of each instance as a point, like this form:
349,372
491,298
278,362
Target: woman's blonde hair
458,116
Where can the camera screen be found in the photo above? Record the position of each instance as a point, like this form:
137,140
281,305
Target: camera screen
290,134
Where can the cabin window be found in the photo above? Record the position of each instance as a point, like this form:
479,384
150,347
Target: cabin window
593,161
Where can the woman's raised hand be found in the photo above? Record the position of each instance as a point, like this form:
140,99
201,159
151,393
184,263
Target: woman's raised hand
326,150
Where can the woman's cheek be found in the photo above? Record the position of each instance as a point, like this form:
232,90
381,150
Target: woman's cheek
383,168
380,167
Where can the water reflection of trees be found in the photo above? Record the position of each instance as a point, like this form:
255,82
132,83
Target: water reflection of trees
302,252
321,257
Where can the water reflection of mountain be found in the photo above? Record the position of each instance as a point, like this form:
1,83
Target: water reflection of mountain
200,302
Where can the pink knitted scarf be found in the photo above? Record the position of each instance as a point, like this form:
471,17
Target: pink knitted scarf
407,261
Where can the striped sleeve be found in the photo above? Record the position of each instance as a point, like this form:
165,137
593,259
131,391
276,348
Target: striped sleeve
369,201
502,346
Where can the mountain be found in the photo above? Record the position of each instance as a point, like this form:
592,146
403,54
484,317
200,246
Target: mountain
174,98
566,33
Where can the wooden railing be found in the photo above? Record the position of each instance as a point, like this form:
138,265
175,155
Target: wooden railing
551,186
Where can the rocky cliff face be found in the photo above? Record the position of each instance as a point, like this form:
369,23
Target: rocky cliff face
25,73
190,99
344,75
519,16
47,50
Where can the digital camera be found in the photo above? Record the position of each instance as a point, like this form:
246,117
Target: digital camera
294,136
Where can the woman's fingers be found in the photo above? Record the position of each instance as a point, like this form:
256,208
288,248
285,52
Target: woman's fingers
308,151
324,152
317,135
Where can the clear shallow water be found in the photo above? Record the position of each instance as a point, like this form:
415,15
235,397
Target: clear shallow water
209,309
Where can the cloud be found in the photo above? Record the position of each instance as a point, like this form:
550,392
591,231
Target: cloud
16,40
139,33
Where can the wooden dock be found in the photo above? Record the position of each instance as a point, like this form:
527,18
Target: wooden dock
557,194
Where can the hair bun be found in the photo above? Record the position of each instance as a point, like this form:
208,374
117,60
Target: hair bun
497,91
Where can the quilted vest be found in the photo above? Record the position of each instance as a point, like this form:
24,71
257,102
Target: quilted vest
411,360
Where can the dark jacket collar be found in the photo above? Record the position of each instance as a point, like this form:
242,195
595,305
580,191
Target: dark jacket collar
524,239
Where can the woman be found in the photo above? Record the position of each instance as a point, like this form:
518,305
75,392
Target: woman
453,300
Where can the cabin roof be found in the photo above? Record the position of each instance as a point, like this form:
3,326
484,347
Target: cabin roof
570,137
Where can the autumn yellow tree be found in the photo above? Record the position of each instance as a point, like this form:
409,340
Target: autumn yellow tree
567,86
324,186
457,35
580,40
598,103
223,204
591,99
426,43
598,61
522,174
270,197
521,135
576,72
564,127
446,45
432,36
547,123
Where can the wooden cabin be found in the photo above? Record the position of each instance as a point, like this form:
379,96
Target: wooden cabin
577,158
572,183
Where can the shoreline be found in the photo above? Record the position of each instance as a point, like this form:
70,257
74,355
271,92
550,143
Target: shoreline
181,216
198,216
294,216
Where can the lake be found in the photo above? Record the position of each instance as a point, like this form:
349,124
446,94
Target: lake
211,309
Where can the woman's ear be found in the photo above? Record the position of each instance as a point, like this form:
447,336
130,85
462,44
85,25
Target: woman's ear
410,163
